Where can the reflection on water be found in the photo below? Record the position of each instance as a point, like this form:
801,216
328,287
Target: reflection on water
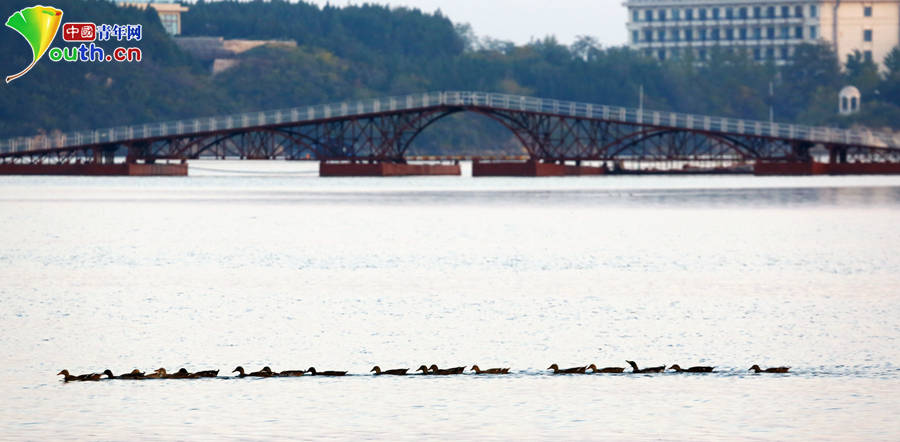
278,268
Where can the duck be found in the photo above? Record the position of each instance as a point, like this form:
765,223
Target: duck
594,369
79,378
635,369
446,371
135,374
291,373
573,370
259,374
159,373
755,368
182,373
205,374
312,371
697,369
478,370
423,369
393,372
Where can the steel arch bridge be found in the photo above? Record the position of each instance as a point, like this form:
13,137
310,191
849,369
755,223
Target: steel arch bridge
382,130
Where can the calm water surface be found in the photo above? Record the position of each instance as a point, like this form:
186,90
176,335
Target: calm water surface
264,264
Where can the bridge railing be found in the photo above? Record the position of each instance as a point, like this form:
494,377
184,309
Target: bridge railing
451,98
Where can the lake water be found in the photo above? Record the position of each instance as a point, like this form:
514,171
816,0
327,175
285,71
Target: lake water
259,264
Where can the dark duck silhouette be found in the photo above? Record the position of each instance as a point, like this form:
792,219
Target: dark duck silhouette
394,372
289,373
635,369
423,369
79,378
573,370
205,374
446,371
755,368
478,370
182,373
594,369
159,373
697,369
258,374
312,371
135,374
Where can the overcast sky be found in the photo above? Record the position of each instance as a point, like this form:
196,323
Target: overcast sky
520,20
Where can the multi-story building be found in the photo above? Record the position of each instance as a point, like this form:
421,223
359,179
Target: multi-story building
168,10
764,29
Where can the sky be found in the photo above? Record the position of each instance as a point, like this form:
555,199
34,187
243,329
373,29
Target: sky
520,20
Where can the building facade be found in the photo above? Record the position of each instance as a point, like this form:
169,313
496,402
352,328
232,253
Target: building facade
763,29
169,13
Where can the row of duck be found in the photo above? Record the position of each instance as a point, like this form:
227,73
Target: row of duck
267,372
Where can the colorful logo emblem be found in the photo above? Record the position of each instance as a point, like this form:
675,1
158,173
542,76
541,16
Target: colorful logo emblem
38,24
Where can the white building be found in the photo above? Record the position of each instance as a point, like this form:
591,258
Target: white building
169,12
764,29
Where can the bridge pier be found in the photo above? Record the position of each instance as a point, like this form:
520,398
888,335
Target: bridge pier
384,169
96,169
532,168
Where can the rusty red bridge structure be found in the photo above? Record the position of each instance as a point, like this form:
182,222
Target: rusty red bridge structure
373,137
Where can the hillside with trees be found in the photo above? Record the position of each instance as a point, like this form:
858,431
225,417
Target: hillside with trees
369,50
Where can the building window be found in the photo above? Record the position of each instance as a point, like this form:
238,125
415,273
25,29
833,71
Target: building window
785,32
729,34
813,11
798,32
770,53
743,33
785,11
662,15
757,12
867,35
757,54
715,35
702,34
770,12
867,55
676,14
661,54
729,13
648,15
770,33
661,35
702,12
757,33
702,54
798,11
635,36
813,32
715,13
648,35
170,23
742,12
636,16
676,35
867,11
689,34
689,14
784,53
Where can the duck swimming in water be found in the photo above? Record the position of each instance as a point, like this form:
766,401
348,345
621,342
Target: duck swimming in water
79,378
446,371
594,369
635,369
159,373
312,371
697,369
393,372
135,374
573,370
205,374
755,368
258,374
490,370
290,373
182,373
